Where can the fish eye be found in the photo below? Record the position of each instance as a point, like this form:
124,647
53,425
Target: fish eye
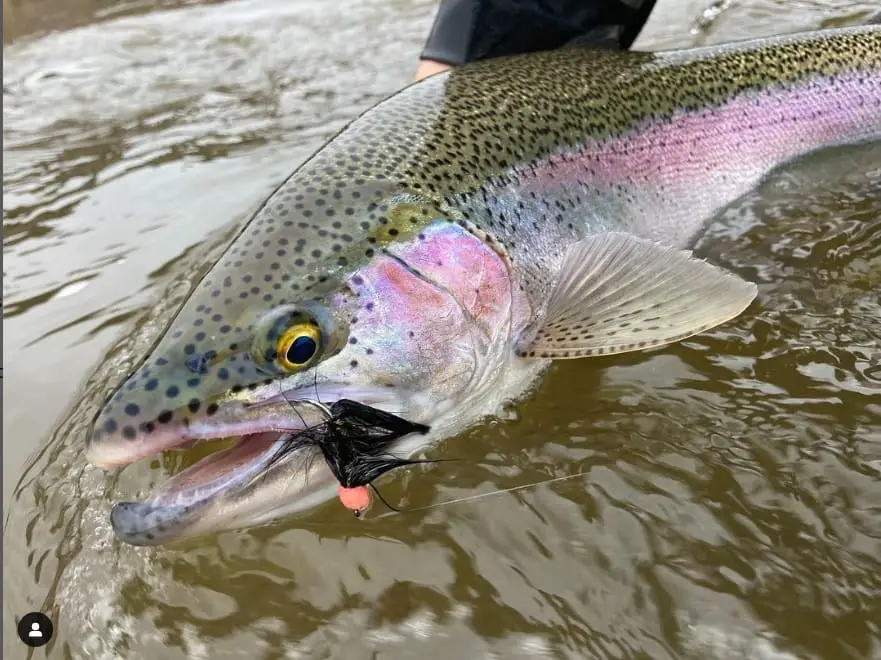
290,338
297,346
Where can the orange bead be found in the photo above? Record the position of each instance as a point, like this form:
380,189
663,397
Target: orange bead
355,499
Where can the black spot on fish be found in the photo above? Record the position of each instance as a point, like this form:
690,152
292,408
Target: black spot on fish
197,364
132,409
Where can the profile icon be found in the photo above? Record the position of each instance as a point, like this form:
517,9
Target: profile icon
35,629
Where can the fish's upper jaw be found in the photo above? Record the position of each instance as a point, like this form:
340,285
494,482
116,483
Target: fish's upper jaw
111,445
116,454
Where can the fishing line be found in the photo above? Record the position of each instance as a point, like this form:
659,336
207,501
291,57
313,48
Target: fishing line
293,435
315,383
383,500
317,404
471,498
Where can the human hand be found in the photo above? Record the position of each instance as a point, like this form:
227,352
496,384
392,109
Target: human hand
429,68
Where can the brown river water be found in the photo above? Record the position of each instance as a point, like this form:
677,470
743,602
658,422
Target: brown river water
729,503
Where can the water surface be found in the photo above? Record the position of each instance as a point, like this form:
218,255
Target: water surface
729,503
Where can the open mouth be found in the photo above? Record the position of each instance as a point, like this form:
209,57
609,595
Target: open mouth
242,447
222,469
264,474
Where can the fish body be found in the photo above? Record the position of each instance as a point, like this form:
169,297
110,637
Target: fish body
434,256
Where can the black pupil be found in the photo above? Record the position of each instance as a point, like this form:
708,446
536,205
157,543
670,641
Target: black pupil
301,350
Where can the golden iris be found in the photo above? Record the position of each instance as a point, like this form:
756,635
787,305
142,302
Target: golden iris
298,346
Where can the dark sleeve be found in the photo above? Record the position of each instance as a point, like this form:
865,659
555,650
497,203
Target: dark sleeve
468,30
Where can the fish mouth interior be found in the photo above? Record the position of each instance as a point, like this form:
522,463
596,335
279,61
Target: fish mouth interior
222,469
179,501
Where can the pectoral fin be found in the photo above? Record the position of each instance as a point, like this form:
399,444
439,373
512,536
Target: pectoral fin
617,293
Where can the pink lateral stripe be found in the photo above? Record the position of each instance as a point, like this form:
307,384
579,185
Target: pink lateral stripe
760,130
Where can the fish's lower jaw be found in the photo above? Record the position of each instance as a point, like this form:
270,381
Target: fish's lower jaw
313,499
277,492
283,497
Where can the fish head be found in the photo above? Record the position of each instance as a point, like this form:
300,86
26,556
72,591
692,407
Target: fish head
412,314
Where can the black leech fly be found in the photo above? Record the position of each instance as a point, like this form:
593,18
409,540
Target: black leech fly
355,441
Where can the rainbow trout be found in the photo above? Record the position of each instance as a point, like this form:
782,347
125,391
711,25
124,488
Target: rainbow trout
435,256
